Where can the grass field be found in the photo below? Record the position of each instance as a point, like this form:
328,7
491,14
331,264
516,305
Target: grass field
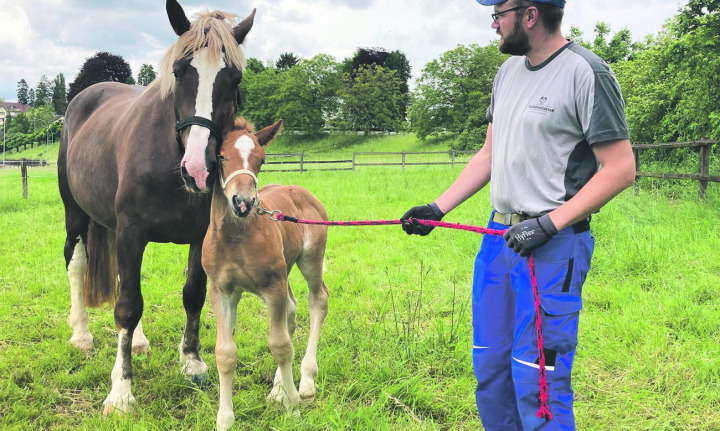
395,352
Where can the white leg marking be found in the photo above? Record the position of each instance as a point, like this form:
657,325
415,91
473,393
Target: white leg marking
225,309
140,344
192,367
120,398
78,318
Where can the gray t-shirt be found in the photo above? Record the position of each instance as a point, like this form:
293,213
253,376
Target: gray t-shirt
544,120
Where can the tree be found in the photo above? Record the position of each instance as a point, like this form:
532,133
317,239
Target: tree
31,97
146,75
59,97
286,61
101,67
255,65
22,92
43,92
453,94
372,101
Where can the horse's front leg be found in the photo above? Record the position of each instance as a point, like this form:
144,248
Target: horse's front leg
225,309
128,310
280,342
193,300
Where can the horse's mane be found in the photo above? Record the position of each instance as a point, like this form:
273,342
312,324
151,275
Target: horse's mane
213,30
242,124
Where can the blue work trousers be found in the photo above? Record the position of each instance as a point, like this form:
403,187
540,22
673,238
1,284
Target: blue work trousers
505,353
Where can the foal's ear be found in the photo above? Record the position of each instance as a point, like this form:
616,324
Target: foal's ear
241,30
267,134
178,20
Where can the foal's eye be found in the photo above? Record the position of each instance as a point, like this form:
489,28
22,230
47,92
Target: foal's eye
262,162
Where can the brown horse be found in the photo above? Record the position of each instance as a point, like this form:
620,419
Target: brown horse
129,158
246,251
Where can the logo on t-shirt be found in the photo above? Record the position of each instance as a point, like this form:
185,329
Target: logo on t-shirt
542,107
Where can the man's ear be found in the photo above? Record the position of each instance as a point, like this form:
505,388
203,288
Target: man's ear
532,16
267,134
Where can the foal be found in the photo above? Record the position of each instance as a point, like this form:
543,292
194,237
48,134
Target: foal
245,251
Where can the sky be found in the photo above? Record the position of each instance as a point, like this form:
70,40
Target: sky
47,37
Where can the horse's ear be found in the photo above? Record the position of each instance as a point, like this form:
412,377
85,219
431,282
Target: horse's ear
267,134
241,30
178,20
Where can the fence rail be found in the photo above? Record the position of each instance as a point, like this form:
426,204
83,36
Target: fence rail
302,164
702,177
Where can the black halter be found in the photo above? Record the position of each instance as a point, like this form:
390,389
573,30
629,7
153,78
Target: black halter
196,121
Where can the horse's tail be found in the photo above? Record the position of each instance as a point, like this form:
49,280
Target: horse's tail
101,282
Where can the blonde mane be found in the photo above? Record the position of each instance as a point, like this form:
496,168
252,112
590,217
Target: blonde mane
213,30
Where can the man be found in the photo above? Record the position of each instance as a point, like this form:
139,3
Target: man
556,112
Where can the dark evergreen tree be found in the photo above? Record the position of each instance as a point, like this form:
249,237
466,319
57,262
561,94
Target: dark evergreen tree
59,95
101,67
286,61
22,92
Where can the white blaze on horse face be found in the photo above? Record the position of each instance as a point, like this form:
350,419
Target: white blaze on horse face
245,145
197,141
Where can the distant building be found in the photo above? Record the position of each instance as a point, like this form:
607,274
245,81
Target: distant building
11,109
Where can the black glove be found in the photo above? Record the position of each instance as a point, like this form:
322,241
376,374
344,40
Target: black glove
525,237
422,212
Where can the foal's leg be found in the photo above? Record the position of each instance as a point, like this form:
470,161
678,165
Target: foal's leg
312,270
280,342
76,263
225,310
277,392
128,310
193,299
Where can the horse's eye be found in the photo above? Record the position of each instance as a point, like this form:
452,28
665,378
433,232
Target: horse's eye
177,78
263,161
221,158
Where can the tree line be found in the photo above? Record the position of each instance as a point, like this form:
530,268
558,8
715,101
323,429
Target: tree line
669,83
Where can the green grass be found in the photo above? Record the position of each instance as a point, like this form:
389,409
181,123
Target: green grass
395,352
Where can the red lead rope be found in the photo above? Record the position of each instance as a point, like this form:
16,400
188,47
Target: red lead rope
544,411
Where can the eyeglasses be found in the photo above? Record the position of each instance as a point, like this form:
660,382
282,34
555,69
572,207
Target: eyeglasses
496,15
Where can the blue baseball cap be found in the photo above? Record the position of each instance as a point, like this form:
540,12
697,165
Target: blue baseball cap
558,3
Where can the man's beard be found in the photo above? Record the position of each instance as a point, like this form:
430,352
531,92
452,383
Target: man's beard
516,42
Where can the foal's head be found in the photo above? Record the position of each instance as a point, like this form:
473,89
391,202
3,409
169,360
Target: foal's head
241,156
202,71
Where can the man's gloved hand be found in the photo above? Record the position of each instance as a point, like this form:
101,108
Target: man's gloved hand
423,212
525,237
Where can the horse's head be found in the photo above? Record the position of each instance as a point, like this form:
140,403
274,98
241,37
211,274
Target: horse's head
203,70
241,156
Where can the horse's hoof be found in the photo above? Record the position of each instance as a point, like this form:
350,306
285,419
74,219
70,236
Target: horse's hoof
276,394
199,379
141,349
83,343
307,391
120,406
225,422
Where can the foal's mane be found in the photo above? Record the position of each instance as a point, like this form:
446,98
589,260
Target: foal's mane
213,30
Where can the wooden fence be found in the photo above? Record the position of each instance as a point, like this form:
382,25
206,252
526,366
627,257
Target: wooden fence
703,176
300,162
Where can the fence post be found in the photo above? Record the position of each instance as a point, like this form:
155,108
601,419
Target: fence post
636,155
704,169
302,161
452,157
353,161
23,172
403,161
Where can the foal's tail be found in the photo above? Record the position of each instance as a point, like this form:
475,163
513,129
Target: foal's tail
101,282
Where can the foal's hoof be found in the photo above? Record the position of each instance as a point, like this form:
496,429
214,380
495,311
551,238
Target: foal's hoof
83,343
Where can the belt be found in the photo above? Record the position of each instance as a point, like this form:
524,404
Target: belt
513,219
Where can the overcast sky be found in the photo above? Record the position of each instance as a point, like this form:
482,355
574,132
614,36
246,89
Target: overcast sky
46,37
